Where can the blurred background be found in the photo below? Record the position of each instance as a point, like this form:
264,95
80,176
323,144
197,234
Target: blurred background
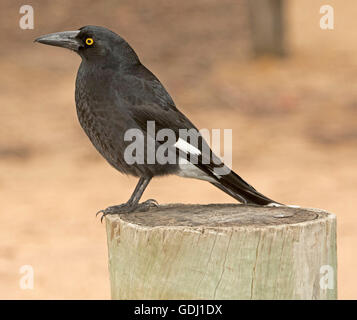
293,113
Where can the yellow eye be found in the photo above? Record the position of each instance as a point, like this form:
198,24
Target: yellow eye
89,41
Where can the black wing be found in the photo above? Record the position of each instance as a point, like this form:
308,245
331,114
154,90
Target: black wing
149,101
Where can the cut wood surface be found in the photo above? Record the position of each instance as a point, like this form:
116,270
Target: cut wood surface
222,251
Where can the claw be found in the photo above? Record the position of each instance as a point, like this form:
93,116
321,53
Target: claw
127,208
100,211
152,202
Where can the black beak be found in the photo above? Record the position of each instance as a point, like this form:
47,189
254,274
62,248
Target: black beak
66,39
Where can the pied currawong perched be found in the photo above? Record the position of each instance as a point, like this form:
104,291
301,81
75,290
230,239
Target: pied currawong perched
115,93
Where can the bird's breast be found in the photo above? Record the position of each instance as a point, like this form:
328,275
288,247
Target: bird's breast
99,113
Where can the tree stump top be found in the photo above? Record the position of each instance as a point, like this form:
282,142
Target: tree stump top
220,216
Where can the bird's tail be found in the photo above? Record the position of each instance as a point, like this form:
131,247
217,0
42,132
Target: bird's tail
237,188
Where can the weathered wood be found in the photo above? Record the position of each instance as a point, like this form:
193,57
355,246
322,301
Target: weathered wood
222,251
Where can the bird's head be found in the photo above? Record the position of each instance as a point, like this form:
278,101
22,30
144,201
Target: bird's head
92,43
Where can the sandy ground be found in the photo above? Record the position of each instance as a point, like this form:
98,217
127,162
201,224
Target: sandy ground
293,120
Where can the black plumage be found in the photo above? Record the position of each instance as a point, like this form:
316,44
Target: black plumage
114,93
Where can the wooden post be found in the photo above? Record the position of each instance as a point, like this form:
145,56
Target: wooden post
266,19
223,251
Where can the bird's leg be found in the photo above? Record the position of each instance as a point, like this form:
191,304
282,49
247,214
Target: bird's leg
133,203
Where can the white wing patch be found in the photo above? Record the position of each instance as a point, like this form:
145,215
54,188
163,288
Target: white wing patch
186,147
187,169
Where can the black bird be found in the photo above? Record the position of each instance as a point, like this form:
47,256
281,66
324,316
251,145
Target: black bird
115,93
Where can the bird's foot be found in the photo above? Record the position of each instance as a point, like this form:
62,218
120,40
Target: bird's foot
128,207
